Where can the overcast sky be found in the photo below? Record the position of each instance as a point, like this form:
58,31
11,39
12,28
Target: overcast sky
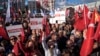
80,1
60,3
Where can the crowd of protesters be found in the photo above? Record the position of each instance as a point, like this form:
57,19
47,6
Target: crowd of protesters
60,40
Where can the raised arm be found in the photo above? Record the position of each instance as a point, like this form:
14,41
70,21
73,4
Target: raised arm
45,47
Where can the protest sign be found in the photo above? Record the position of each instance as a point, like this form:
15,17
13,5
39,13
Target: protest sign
36,23
14,30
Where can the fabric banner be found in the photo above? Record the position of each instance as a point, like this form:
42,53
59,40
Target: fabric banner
14,30
58,16
36,23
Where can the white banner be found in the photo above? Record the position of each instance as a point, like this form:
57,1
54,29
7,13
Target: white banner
14,30
36,23
59,16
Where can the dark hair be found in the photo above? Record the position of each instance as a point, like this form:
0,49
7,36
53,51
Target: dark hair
28,42
49,43
56,21
66,51
34,44
4,42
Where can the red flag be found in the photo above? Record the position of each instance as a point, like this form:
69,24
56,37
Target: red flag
80,9
97,16
47,29
46,25
86,19
79,23
76,16
78,20
22,47
81,19
3,33
87,45
44,21
16,49
22,36
97,33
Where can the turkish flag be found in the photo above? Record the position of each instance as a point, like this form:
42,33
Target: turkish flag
87,45
97,33
22,36
79,24
81,19
85,13
80,9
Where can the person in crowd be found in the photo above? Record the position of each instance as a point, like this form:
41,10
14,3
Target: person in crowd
78,38
61,40
54,29
78,42
53,40
65,34
67,29
14,21
32,49
66,53
54,36
52,26
13,40
96,49
50,48
19,20
6,46
2,51
70,47
38,33
33,32
27,29
57,25
35,39
72,38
